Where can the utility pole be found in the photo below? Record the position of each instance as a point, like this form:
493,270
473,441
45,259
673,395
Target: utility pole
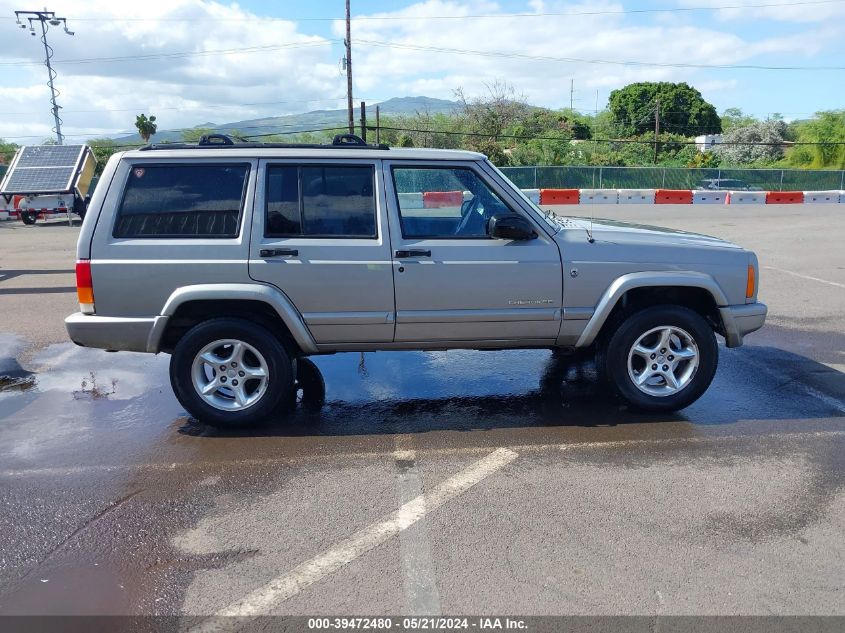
46,20
378,130
348,43
656,127
364,121
571,93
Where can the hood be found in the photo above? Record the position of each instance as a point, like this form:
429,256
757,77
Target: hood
611,231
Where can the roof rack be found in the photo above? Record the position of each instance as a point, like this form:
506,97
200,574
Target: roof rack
218,141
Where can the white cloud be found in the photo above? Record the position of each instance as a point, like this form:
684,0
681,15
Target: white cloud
297,70
587,37
800,11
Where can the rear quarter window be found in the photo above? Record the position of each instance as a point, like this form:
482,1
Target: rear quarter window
183,201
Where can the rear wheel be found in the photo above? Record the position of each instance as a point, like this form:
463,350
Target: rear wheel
28,217
230,372
661,359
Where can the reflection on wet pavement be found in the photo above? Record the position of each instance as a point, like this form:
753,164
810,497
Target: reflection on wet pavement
121,405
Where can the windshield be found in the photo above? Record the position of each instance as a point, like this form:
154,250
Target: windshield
546,216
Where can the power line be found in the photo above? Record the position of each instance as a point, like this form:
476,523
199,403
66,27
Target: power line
579,60
193,129
205,107
179,54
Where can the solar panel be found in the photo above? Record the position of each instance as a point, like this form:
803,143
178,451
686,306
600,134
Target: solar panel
43,169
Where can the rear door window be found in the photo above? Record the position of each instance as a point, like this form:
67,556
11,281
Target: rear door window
183,201
320,201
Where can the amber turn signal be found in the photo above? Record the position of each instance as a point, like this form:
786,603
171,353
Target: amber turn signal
750,285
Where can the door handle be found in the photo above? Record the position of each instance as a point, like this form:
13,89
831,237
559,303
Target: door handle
278,252
411,253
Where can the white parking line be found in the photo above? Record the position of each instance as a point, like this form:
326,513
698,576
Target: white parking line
264,598
421,595
794,274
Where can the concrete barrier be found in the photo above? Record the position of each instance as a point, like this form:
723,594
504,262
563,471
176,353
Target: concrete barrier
411,200
533,195
599,196
440,199
747,197
704,196
821,197
673,196
4,215
636,196
559,196
784,197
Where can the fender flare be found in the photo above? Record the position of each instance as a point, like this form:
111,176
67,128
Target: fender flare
233,292
624,283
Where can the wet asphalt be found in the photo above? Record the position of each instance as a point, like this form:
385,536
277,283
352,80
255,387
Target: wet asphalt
114,502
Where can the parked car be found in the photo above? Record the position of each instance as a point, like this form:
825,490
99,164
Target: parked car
240,260
726,184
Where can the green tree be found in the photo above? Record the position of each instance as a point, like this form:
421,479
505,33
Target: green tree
826,130
103,149
734,118
195,133
682,109
7,150
146,126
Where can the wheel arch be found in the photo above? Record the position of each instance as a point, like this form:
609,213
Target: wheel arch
190,305
634,291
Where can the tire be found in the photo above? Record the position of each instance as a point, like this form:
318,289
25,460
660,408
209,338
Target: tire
245,349
29,217
634,351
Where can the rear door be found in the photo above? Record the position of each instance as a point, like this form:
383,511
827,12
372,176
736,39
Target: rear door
453,281
320,235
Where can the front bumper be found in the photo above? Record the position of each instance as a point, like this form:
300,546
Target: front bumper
115,333
741,320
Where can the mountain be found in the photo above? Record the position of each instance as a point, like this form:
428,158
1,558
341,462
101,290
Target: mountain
314,120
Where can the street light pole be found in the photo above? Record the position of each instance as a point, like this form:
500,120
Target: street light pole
47,19
348,42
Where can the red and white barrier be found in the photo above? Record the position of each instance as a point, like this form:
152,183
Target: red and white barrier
673,196
746,197
784,197
599,196
410,200
561,197
705,196
822,197
636,196
533,195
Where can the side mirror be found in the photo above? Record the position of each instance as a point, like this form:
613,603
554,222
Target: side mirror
510,226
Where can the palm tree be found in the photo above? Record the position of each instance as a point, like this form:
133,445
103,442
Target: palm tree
146,126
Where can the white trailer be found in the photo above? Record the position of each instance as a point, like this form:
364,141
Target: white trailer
48,180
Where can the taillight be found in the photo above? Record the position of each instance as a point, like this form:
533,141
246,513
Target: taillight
84,287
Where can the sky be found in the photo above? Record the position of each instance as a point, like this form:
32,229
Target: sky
195,61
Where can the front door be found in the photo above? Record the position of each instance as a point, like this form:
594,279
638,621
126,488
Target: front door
453,281
320,236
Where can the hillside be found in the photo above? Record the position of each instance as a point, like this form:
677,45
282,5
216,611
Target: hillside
313,120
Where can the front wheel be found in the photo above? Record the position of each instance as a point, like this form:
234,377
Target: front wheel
662,358
230,372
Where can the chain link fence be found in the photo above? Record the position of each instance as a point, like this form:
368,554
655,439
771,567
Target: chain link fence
566,177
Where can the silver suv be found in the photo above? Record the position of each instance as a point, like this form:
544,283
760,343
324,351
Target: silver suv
240,260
